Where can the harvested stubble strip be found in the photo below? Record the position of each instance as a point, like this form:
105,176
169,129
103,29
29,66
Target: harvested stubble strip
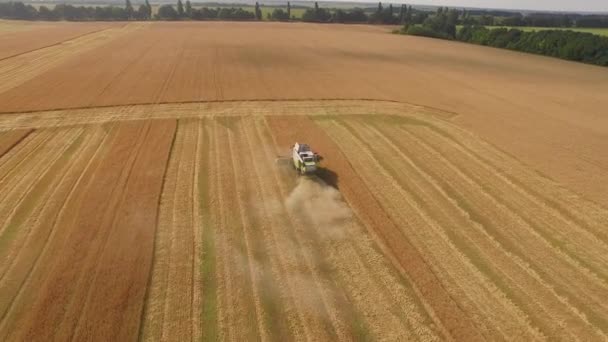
20,154
283,315
118,293
21,203
586,295
388,308
544,307
169,308
23,298
237,317
556,197
208,267
407,259
18,182
564,234
59,260
475,293
318,294
241,162
41,219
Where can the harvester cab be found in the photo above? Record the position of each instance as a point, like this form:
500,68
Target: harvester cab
304,159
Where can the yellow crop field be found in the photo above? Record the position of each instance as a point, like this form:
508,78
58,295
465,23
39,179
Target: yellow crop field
147,190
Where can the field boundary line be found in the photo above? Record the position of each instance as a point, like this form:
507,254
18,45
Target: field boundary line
17,142
57,43
440,113
144,307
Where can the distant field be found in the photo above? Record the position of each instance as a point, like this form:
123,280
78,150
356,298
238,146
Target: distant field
598,31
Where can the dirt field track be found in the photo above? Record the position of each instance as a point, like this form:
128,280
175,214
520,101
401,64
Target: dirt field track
146,190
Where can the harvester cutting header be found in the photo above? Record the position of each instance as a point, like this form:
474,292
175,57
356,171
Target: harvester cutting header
304,159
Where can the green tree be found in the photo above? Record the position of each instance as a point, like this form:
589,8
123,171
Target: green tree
379,11
288,10
180,8
142,12
258,11
188,9
149,8
167,12
129,9
279,14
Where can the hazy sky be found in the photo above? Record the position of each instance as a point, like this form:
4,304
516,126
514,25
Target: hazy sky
552,5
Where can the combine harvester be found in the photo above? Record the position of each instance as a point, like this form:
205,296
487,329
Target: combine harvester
304,159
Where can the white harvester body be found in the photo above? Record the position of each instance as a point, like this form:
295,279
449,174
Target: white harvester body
304,159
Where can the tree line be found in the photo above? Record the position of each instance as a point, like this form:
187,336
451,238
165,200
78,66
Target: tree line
565,44
18,10
380,15
536,19
185,11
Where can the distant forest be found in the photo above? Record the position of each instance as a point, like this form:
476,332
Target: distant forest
560,43
375,15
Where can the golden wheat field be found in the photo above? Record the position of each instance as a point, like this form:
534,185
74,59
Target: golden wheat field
146,190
